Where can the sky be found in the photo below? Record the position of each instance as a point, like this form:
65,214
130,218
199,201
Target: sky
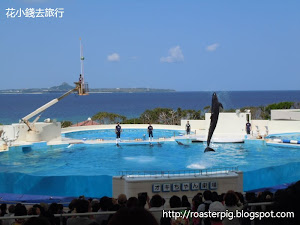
183,45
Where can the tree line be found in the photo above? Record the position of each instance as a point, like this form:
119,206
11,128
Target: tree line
170,116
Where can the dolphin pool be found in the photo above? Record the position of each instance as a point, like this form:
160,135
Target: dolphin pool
87,169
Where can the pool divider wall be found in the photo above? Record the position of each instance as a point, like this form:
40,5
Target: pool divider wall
132,185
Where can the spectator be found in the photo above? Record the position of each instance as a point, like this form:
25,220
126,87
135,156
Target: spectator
231,204
133,216
196,201
216,206
156,206
122,199
81,206
105,205
205,205
185,202
143,200
214,196
72,205
11,212
3,209
175,202
132,202
20,210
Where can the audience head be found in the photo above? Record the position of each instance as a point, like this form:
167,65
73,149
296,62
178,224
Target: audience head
53,208
132,202
196,201
82,206
105,203
175,202
38,209
142,200
214,196
207,195
230,198
133,216
122,199
3,208
20,210
156,201
11,209
185,202
45,206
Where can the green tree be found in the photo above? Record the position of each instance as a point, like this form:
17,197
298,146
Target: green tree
207,109
133,121
66,123
108,118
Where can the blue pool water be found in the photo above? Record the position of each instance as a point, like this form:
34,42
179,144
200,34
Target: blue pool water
88,169
288,136
127,134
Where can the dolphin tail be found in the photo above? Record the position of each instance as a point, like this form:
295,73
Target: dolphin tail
209,149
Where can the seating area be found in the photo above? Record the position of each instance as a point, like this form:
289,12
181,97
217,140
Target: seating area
143,210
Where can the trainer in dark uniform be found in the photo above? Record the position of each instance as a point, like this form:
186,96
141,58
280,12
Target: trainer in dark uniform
118,132
248,127
150,131
188,128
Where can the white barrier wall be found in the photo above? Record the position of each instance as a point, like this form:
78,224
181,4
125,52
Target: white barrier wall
188,185
228,123
285,114
260,127
275,126
233,123
198,126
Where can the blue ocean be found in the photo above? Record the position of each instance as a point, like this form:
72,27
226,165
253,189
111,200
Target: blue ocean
78,108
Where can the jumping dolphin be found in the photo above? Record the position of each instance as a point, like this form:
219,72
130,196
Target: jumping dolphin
215,109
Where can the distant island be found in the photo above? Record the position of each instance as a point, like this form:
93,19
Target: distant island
64,87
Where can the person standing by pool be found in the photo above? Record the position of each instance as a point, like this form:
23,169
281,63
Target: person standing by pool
188,128
150,131
248,127
118,133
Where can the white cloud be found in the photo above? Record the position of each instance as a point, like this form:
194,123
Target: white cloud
175,55
213,47
115,57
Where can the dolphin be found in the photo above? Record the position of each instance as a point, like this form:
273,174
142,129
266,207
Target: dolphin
180,143
215,109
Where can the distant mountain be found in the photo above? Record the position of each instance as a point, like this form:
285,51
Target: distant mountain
63,87
66,87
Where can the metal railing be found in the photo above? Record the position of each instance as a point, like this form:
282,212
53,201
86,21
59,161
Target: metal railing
169,173
85,214
113,212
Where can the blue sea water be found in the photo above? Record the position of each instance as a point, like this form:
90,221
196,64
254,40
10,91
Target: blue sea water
78,108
